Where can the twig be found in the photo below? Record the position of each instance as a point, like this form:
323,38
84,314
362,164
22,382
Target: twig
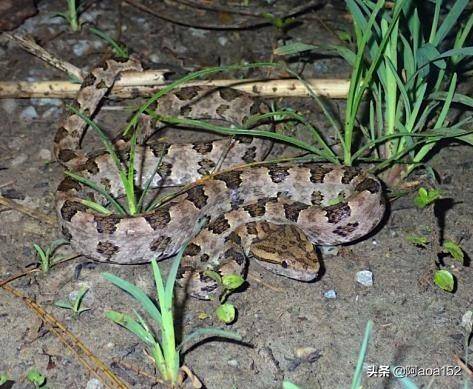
34,213
160,10
32,47
460,363
149,82
74,344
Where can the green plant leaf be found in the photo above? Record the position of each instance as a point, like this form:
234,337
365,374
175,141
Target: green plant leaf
454,250
226,313
357,376
209,332
131,325
232,281
3,378
214,276
79,298
289,385
445,280
63,304
138,294
417,240
426,197
35,377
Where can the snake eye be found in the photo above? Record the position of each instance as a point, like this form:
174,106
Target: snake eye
284,264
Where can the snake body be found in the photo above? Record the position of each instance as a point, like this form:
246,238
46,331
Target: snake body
243,208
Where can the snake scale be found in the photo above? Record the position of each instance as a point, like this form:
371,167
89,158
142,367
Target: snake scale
247,210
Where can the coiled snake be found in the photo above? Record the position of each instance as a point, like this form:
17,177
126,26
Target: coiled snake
248,210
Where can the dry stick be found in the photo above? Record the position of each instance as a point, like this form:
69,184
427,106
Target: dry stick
32,47
463,365
74,344
147,83
34,213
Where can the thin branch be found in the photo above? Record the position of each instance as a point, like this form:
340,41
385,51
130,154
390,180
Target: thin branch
147,83
32,47
34,213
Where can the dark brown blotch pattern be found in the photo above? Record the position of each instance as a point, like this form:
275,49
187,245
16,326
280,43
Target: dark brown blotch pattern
159,218
278,173
344,231
219,225
232,179
316,197
187,93
196,195
69,184
229,94
250,155
349,174
106,224
203,147
336,213
292,210
368,184
70,208
206,166
318,173
192,250
160,244
108,249
222,108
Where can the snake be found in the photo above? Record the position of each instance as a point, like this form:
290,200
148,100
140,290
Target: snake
271,212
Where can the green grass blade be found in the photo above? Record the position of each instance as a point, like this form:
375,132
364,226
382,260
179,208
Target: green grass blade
98,188
79,298
356,382
209,332
131,325
138,294
189,77
450,20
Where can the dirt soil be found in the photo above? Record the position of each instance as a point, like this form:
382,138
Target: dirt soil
292,330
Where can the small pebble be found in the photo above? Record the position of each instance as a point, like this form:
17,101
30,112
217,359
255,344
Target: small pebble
94,383
29,114
52,112
80,48
46,101
44,154
329,250
9,105
222,40
154,58
198,33
330,294
18,160
307,354
232,363
365,277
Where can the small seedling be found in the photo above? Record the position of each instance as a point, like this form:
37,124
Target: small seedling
75,305
289,385
72,14
418,240
226,312
48,258
36,378
228,283
426,197
454,250
281,24
444,280
119,49
163,349
3,378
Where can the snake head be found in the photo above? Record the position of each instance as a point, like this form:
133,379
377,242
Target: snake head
287,252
